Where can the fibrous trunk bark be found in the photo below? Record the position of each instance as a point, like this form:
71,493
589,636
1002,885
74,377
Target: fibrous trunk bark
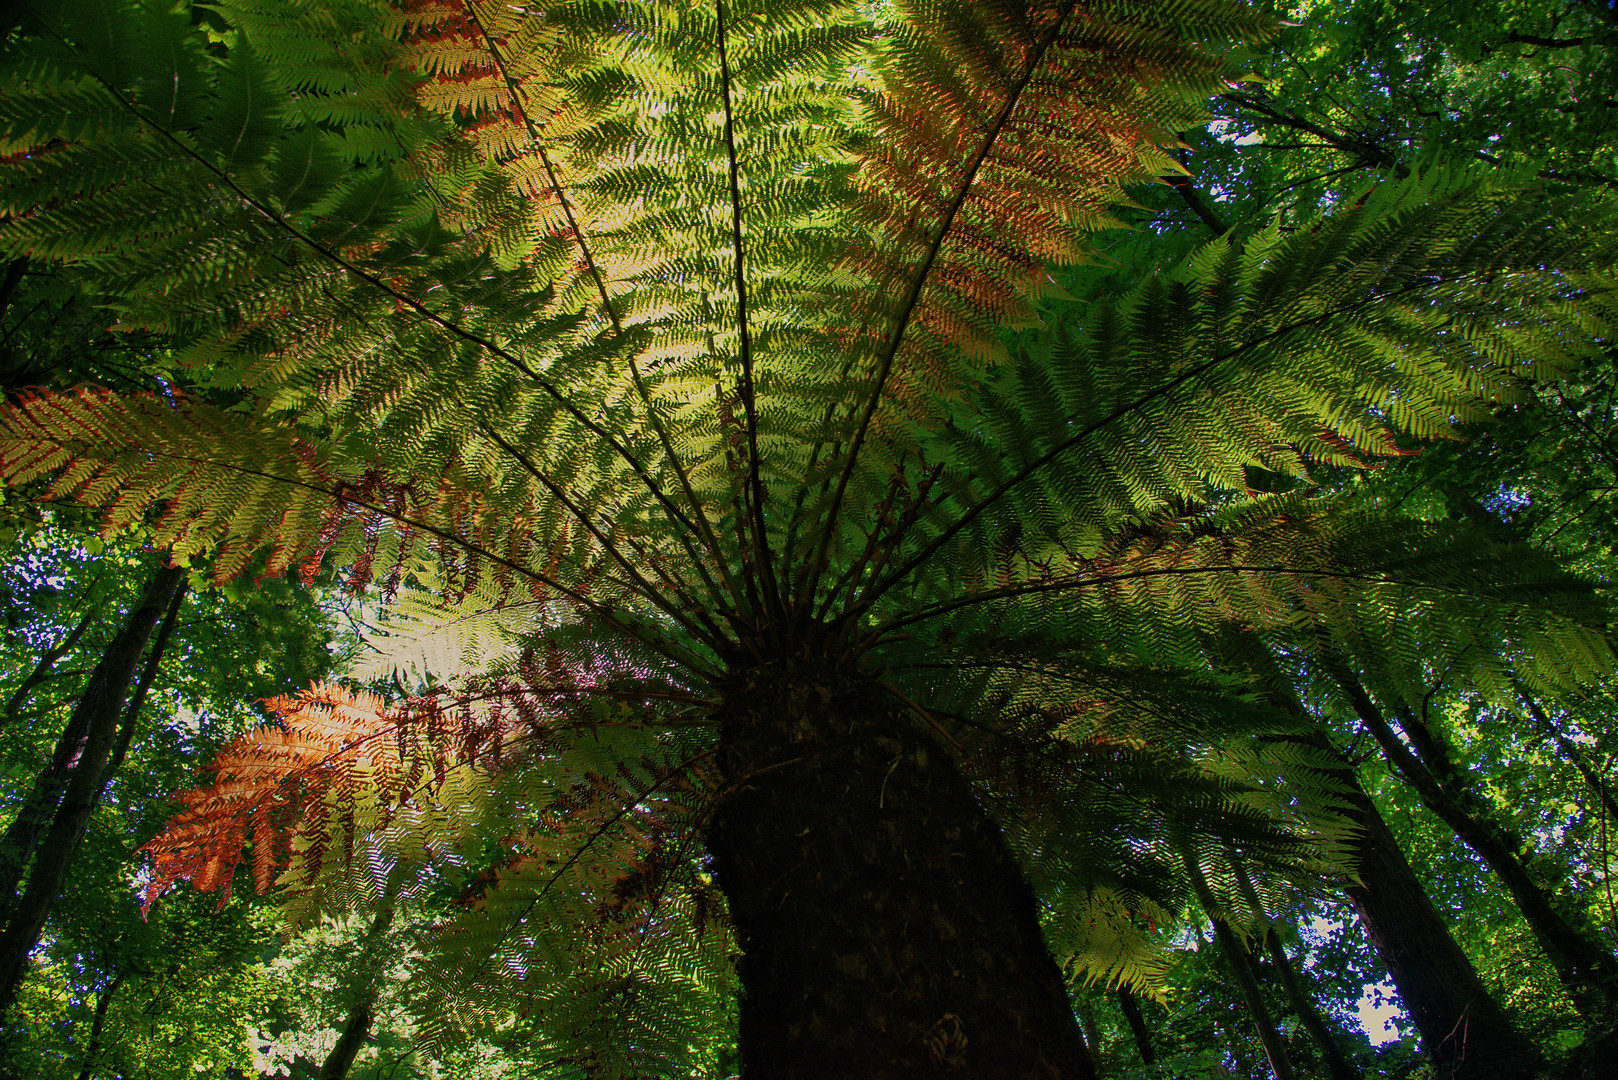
1092,1037
94,727
887,930
1587,970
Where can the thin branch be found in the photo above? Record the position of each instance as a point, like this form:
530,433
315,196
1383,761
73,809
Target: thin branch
1544,42
1199,206
42,669
99,1018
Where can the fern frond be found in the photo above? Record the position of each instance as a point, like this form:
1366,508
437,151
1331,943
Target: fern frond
1387,319
205,480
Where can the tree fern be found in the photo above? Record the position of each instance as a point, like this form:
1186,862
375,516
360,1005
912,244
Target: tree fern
685,326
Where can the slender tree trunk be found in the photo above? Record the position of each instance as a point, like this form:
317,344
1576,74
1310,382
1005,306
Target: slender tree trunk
355,1031
1241,968
143,686
1186,188
22,835
1092,1036
357,1027
1463,1030
1137,1026
93,1051
16,268
1331,1051
17,844
95,718
887,930
1586,969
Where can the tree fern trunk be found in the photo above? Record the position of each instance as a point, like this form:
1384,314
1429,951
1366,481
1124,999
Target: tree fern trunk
96,717
22,835
17,843
887,930
1241,969
1092,1036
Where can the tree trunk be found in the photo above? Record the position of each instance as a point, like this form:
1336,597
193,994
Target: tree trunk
1092,1036
93,1051
887,930
1463,1030
349,1043
1137,1026
1241,968
16,268
95,722
1587,971
21,836
1331,1052
370,958
143,686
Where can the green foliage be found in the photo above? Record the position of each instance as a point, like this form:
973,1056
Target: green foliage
662,341
179,983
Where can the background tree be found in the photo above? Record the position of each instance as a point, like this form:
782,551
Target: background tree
1509,84
100,961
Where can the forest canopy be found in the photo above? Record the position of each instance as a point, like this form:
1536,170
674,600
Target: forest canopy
930,538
